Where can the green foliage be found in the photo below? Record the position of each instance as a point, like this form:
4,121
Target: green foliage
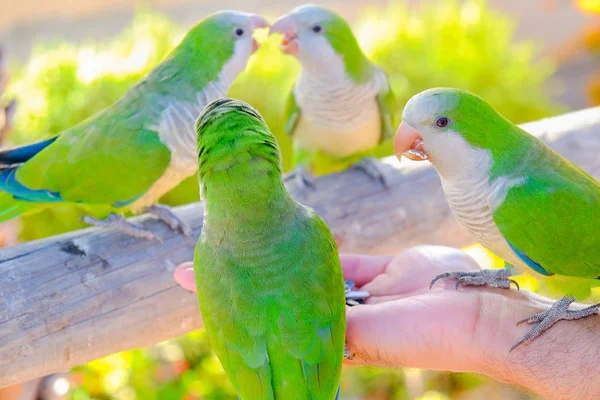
451,43
460,44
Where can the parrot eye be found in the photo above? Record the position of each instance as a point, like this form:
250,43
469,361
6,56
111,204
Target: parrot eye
317,28
442,122
239,31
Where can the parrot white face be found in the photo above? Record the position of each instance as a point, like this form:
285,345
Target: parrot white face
426,133
243,26
304,32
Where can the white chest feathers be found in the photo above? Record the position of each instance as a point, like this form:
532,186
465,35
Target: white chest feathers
338,116
473,197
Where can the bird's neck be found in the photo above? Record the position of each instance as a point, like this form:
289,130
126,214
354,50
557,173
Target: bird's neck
250,206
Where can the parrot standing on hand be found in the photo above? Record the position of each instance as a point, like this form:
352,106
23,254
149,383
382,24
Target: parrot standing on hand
520,199
130,154
269,280
341,106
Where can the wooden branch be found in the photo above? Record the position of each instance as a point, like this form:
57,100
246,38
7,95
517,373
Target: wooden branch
73,298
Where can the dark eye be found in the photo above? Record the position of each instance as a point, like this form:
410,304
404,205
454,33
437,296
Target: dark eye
317,28
239,31
441,122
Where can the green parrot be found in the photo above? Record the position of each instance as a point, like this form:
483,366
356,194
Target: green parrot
269,280
128,155
341,106
519,198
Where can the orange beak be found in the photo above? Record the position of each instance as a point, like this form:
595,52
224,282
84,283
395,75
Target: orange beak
286,26
409,143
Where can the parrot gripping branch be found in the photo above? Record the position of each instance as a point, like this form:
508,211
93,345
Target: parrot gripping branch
65,299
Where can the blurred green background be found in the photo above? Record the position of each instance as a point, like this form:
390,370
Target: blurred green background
445,43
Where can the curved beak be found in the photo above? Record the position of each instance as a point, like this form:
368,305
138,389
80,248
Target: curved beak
409,143
257,22
286,26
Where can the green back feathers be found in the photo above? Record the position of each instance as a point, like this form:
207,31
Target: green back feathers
270,287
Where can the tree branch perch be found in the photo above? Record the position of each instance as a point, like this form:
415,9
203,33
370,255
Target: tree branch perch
72,298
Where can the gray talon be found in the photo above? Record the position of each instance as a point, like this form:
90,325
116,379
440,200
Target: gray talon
116,221
372,168
302,178
354,297
559,311
167,216
347,354
498,278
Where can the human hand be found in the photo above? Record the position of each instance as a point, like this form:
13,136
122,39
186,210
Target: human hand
407,324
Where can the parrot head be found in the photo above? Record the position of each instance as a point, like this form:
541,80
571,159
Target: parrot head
225,37
447,127
234,140
318,37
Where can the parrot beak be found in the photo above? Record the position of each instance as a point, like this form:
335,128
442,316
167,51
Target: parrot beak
409,143
258,22
286,26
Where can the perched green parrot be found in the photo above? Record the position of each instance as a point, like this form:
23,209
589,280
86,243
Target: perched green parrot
519,198
269,281
341,106
128,155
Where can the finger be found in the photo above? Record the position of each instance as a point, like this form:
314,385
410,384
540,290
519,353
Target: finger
429,331
361,268
184,276
411,271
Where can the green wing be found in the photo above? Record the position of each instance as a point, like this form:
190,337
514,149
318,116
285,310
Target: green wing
111,159
387,109
280,336
291,114
551,219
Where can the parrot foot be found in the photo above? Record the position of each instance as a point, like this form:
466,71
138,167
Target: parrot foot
347,354
167,216
372,168
354,297
558,311
303,179
116,221
498,278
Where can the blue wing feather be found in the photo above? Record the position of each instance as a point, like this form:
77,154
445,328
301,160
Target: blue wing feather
9,184
24,153
530,263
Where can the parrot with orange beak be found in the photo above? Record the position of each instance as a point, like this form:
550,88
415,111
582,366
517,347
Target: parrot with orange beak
519,198
128,155
341,106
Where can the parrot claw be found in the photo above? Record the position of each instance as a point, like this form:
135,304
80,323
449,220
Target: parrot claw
498,278
302,178
558,311
347,354
370,166
354,297
167,216
116,221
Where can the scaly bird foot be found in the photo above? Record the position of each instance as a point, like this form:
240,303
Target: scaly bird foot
301,178
558,311
354,297
120,223
492,277
347,354
167,216
373,169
